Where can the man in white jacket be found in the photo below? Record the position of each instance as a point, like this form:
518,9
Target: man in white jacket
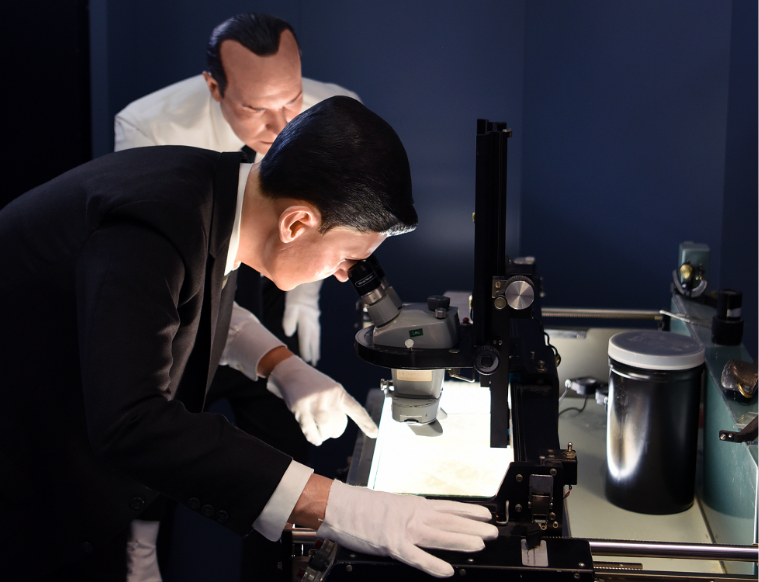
241,104
253,87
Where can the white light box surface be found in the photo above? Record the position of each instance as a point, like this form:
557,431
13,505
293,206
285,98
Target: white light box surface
460,462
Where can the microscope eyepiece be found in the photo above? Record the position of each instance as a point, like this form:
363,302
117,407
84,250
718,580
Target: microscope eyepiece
368,279
374,263
364,278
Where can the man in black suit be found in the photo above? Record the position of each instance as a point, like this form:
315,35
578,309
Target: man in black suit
115,308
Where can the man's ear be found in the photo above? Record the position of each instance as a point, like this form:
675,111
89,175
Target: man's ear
297,220
213,86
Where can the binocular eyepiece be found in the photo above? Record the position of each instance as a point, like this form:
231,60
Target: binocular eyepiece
369,281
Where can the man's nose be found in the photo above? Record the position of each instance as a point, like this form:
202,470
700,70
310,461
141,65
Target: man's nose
276,120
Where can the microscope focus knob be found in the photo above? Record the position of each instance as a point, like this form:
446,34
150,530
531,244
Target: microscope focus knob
486,361
438,304
519,293
435,302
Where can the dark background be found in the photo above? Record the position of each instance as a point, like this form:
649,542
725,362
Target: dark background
635,129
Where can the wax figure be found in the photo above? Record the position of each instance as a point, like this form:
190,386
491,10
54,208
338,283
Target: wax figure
251,89
115,303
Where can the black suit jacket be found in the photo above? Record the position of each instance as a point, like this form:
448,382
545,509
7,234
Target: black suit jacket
111,292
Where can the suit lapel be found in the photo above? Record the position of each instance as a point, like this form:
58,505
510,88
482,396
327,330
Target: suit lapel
225,204
215,314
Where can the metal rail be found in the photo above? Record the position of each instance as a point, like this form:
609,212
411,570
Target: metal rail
640,549
601,313
303,535
651,576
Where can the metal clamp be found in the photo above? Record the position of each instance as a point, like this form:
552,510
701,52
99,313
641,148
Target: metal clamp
748,434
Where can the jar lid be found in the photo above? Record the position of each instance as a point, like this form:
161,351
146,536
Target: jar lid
656,350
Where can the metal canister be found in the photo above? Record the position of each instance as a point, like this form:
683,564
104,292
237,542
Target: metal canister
652,420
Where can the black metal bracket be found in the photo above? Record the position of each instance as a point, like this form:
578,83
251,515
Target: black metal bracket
748,434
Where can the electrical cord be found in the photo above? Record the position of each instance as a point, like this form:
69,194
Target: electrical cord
579,410
556,354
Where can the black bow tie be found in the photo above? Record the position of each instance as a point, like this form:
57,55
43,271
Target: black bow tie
251,154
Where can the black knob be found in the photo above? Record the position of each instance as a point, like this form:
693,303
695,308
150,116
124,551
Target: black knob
729,304
435,302
486,361
727,325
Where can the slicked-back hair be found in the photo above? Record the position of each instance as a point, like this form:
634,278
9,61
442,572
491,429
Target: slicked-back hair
346,161
259,33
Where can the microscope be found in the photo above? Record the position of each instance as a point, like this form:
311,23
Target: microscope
412,327
502,340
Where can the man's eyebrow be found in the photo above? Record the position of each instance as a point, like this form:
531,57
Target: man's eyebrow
293,100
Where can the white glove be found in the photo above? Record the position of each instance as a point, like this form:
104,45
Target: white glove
320,405
302,313
142,561
385,524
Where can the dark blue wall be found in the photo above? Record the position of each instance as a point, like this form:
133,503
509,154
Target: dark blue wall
624,122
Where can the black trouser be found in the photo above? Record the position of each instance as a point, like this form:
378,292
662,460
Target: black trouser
108,564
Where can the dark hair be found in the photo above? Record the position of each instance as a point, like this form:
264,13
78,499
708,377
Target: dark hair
348,162
259,33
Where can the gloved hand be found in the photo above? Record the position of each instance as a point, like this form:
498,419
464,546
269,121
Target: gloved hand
384,524
320,405
302,313
142,560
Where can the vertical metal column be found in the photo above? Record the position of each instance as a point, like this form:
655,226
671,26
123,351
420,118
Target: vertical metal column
490,260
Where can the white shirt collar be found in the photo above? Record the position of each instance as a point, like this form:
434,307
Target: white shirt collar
226,138
234,241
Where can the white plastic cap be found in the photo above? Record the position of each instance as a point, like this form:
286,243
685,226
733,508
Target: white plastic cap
656,350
